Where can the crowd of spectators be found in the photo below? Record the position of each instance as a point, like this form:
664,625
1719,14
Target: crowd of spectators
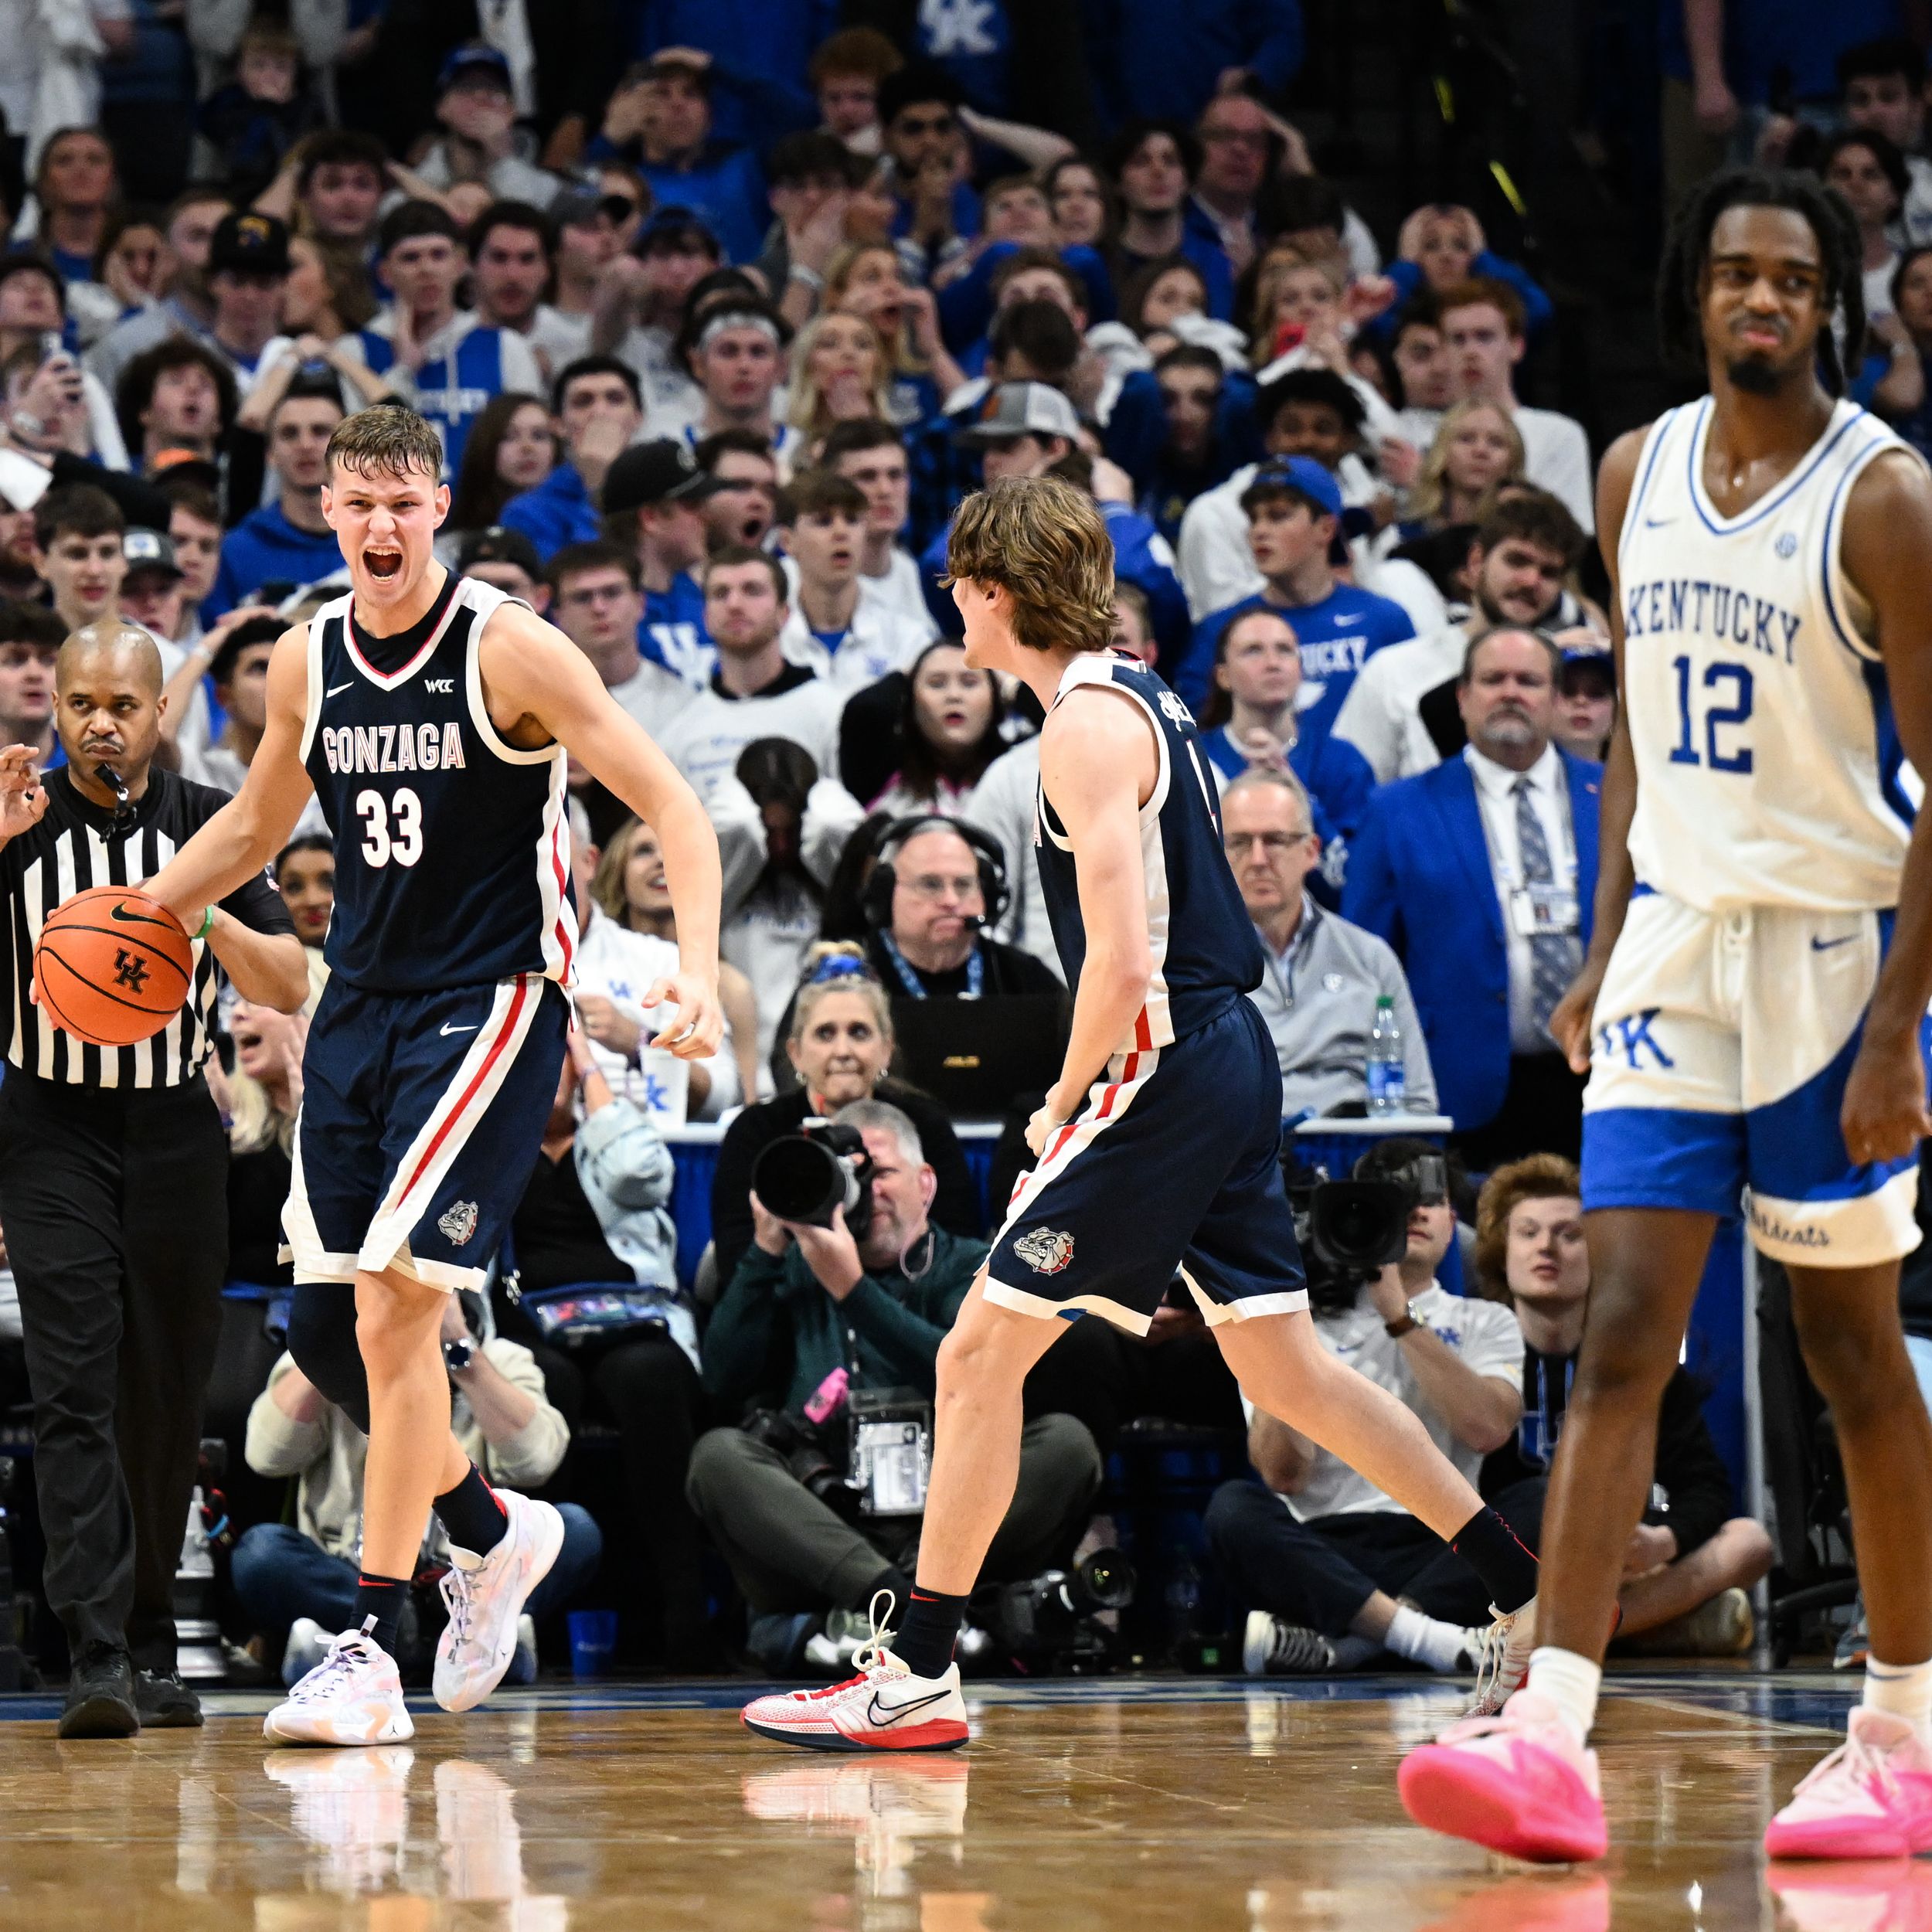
718,312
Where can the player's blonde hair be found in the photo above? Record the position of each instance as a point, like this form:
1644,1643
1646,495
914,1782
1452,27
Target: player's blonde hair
1044,544
386,440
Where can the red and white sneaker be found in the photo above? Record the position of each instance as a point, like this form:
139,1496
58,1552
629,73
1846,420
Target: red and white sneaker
1503,1661
1517,1783
352,1697
1871,1798
1854,1895
885,1708
485,1595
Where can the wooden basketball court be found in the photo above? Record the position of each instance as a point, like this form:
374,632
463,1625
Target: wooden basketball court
1108,1805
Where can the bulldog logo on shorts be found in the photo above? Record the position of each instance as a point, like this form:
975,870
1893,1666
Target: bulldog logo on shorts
1045,1250
459,1223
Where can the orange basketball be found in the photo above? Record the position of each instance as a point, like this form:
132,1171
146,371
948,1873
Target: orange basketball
114,966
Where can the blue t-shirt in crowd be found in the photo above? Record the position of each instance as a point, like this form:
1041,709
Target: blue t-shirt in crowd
560,510
1337,636
266,548
723,184
759,49
672,633
452,390
1160,60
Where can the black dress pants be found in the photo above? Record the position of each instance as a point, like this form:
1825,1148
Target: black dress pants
114,1206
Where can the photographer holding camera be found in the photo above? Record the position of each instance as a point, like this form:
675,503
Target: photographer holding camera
817,1318
1321,1554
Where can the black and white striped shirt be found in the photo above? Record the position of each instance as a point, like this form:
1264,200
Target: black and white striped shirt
77,843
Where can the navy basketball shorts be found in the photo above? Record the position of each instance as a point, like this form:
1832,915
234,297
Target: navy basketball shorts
421,1117
1173,1167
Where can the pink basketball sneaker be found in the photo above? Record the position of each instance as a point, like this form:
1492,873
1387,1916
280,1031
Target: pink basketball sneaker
1871,1798
1517,1783
885,1708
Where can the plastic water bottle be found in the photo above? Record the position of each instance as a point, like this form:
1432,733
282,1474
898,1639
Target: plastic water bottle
1388,1075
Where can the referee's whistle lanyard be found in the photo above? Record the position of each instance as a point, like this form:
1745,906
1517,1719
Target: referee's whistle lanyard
1536,1432
975,970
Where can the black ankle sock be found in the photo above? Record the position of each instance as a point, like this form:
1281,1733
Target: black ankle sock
926,1632
379,1607
473,1514
1492,1550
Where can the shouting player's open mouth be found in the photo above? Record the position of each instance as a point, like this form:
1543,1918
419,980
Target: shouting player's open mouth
382,564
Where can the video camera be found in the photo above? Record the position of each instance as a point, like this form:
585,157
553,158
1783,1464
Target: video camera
810,1175
1349,1231
1050,1621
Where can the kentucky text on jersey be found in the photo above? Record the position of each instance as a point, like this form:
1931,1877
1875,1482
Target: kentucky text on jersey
1679,605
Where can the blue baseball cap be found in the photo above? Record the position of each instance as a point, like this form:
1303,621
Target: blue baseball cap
1304,476
472,57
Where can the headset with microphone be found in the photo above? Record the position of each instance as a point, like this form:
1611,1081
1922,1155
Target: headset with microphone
875,901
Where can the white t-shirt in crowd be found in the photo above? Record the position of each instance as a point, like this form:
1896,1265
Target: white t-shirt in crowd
879,641
902,589
1003,805
653,696
1483,1335
1381,717
704,740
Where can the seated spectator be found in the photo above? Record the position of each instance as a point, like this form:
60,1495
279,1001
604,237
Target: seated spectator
1249,722
1081,201
628,942
1869,174
248,267
744,505
810,176
806,1303
239,675
733,348
177,396
440,358
1401,713
1324,975
1483,327
1691,1562
296,1582
844,75
76,186
927,905
771,920
949,732
1335,1571
333,189
1476,446
79,532
755,691
593,225
305,877
1155,163
872,455
183,307
1442,246
479,139
1156,298
1424,372
838,1037
152,592
1179,429
919,113
51,403
833,631
596,602
1882,83
659,121
254,121
262,1098
288,542
597,1287
640,305
194,530
512,249
838,375
513,448
599,412
507,559
654,498
1586,698
867,279
1294,509
30,640
1487,972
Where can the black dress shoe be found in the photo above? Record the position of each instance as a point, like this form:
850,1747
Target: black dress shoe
165,1703
101,1694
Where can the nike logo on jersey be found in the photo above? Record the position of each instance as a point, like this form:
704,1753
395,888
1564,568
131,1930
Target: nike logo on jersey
336,690
446,1029
1658,523
882,1715
1828,945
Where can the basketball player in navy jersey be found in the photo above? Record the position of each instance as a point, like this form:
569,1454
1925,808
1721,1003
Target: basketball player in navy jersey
1158,1147
1753,1009
431,715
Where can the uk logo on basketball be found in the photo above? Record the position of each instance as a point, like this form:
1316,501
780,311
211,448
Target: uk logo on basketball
459,1223
1045,1250
130,970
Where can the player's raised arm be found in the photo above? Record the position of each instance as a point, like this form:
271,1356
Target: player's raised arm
1569,1024
531,669
1097,757
1887,553
247,832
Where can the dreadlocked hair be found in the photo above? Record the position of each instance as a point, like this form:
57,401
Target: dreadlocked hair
1840,345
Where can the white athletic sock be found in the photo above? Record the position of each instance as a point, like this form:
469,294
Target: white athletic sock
1425,1640
1571,1683
1905,1690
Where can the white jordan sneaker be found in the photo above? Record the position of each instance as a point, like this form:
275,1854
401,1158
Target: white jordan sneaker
352,1697
485,1597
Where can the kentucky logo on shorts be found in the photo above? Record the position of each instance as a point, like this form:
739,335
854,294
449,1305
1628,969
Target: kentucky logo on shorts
1044,1250
459,1223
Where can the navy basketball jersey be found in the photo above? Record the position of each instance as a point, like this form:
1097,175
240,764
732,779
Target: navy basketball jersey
452,848
1205,951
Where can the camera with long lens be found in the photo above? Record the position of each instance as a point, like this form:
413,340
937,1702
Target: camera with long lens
809,1176
1349,1231
1049,1618
808,1457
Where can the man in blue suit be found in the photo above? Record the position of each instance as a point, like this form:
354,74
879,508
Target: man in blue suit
1481,874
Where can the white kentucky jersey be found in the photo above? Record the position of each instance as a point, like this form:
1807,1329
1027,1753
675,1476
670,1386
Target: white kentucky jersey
1769,768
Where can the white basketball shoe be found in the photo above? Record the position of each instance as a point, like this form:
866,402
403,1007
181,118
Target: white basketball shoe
352,1697
485,1595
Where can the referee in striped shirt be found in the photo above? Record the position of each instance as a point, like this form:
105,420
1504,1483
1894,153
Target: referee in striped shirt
113,1173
